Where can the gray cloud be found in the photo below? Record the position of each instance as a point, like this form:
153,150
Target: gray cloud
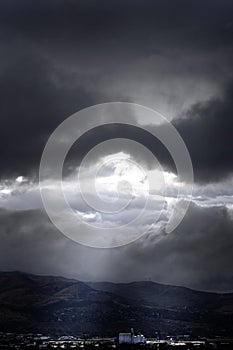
207,131
60,57
198,254
206,128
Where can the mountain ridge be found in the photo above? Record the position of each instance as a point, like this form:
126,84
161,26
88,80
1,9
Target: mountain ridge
59,305
218,292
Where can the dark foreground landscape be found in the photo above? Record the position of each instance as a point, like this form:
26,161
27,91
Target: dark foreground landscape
59,306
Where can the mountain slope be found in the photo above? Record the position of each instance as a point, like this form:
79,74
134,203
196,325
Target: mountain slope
165,296
58,305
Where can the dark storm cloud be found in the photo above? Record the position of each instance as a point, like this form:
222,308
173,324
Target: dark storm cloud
69,21
207,131
30,242
60,56
198,254
118,130
31,108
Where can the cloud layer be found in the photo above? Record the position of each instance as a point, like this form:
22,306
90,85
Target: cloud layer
198,254
59,57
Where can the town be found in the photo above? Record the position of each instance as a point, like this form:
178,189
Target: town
123,341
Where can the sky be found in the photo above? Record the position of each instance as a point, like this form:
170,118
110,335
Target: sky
175,57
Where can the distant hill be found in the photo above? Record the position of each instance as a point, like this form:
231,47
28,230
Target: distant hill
57,305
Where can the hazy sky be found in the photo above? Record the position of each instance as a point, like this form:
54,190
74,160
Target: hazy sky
58,57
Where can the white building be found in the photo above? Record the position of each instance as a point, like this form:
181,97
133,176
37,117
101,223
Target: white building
125,338
130,338
136,339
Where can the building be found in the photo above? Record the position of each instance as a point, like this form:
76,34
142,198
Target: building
137,339
130,338
125,338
